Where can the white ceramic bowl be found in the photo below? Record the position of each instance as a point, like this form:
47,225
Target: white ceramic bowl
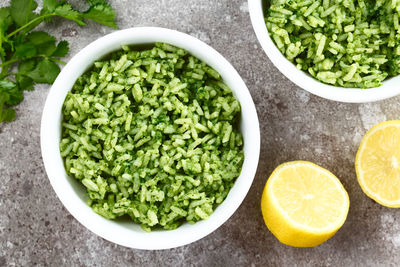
390,87
72,194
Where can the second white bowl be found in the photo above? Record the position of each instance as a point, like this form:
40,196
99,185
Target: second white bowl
390,87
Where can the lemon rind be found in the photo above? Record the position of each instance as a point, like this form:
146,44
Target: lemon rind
359,172
330,228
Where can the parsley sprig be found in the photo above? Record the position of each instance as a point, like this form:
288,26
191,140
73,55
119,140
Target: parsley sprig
28,57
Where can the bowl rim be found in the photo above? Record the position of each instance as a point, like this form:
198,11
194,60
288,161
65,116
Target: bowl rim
128,235
390,87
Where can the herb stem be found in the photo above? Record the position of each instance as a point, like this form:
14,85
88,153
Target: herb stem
30,23
58,61
8,62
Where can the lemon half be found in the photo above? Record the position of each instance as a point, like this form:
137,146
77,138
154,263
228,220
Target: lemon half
378,163
303,204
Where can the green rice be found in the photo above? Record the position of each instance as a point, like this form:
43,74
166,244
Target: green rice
152,134
350,43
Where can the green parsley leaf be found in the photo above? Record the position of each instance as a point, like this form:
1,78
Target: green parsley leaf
62,49
45,71
22,11
101,12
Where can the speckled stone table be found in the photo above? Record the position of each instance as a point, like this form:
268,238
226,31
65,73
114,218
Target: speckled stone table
35,228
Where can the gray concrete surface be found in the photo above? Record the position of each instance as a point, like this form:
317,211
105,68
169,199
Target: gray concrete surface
35,228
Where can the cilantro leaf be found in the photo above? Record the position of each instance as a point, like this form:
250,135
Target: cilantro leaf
5,18
22,11
62,49
37,52
49,5
44,43
26,66
45,71
101,12
40,37
5,22
39,44
6,114
95,2
25,50
24,82
66,11
9,88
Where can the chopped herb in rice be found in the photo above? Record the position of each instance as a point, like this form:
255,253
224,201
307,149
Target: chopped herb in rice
350,43
152,134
